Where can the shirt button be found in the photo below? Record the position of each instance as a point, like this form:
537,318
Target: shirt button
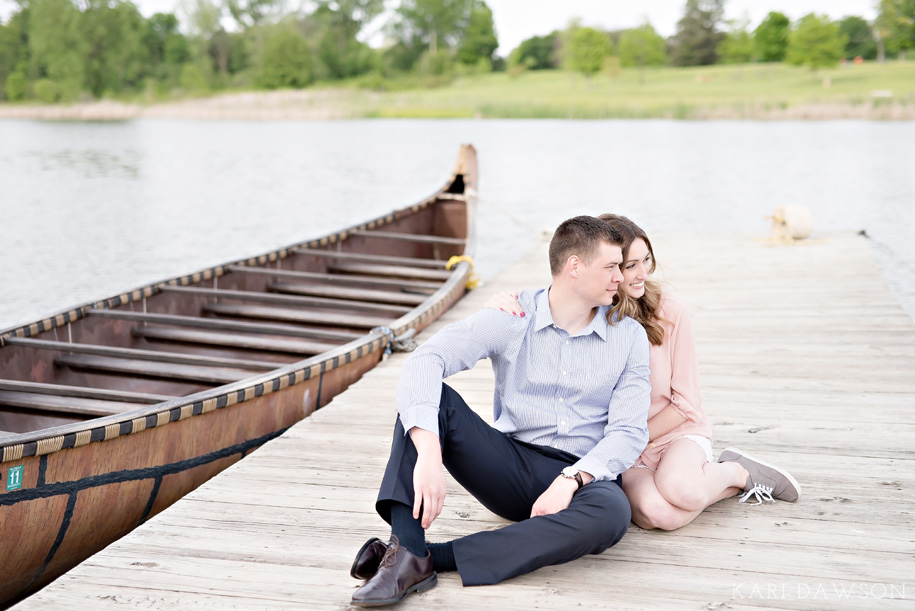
567,342
565,373
560,399
563,422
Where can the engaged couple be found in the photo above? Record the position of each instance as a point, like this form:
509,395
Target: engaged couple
597,421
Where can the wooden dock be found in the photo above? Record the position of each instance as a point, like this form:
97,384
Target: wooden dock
806,359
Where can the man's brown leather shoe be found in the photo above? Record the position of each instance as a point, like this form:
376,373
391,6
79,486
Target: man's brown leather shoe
399,573
368,558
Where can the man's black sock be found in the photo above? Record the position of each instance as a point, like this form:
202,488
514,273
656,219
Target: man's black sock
408,530
442,556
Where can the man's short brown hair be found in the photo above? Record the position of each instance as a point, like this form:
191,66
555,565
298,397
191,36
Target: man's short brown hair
582,236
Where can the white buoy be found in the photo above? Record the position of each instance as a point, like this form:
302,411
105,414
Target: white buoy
791,223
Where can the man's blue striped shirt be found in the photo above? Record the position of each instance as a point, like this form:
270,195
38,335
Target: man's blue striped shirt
587,394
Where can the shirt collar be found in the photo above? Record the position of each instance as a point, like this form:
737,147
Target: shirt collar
543,317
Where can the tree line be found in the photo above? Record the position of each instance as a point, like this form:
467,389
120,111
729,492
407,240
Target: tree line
703,38
67,50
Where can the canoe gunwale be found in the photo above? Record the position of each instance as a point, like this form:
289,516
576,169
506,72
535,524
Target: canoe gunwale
54,439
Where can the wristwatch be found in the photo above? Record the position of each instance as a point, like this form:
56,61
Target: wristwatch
573,473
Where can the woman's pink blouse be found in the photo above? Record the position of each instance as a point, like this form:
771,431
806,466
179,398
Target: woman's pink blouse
675,379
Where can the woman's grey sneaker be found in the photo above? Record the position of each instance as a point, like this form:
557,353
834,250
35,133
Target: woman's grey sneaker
766,482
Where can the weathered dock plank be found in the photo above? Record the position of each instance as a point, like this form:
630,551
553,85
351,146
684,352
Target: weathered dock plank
806,358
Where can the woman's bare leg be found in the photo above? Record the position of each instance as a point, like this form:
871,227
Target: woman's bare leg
684,484
649,508
685,479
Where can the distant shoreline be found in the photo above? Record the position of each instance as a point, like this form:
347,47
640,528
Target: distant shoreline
294,106
882,92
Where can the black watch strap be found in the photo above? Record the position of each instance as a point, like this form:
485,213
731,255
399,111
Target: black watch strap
578,479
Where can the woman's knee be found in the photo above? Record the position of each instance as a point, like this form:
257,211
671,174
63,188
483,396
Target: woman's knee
657,513
681,492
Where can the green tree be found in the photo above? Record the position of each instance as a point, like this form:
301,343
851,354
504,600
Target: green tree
219,50
402,55
57,47
537,52
167,48
249,13
201,17
815,42
435,63
642,46
588,49
117,56
770,39
896,25
193,79
286,61
860,37
697,38
479,41
47,91
9,52
17,86
430,24
737,46
336,25
353,59
14,54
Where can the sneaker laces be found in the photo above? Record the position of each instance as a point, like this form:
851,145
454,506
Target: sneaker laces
760,493
390,554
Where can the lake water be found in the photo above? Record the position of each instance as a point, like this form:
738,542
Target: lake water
92,209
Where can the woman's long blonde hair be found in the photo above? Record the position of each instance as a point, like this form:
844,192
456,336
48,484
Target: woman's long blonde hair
645,309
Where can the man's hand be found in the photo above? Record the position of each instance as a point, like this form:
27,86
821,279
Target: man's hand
429,485
555,498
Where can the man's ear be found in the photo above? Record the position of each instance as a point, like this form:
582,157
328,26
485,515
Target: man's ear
573,263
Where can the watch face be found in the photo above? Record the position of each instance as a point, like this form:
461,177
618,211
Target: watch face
570,472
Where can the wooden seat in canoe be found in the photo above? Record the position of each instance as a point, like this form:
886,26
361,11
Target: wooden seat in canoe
82,392
417,286
410,237
337,319
395,271
288,300
143,355
151,369
373,258
228,325
245,341
65,405
342,292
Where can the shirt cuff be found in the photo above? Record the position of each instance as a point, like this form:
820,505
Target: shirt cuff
593,466
422,416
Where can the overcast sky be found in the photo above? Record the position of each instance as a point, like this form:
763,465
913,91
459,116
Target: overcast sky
519,19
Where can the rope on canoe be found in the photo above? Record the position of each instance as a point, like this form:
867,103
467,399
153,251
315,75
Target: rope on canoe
473,280
404,343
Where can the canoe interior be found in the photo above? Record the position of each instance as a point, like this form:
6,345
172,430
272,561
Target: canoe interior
320,311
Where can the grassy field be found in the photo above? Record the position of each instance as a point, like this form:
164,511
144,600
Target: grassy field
752,91
748,91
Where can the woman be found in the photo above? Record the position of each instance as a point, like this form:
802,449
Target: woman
675,478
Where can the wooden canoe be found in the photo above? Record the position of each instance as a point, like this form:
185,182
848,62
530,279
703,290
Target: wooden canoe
113,410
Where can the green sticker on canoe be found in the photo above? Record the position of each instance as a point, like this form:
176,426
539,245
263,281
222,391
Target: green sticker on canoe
14,478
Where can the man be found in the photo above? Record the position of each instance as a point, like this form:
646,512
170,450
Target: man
570,407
